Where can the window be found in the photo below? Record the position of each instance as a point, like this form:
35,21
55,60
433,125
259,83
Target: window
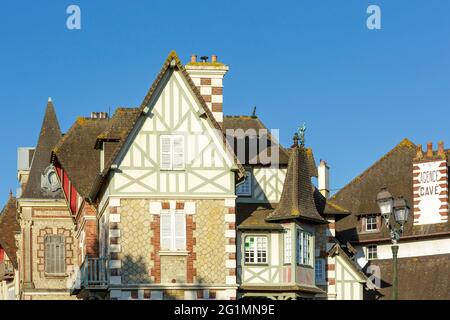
371,252
304,241
172,152
173,230
255,249
287,246
245,188
371,223
320,270
55,260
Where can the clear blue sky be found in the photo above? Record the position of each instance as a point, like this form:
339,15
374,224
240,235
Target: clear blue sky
359,91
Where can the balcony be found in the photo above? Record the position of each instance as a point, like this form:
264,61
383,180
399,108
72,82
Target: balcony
92,276
6,270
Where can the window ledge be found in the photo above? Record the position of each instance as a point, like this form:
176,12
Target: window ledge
173,253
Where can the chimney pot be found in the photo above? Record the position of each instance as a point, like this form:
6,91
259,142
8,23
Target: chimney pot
419,154
441,148
213,58
193,58
429,149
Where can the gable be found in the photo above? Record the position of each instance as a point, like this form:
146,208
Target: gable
174,110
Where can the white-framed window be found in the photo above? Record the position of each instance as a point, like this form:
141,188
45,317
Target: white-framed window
371,222
255,248
173,230
54,255
172,155
304,248
245,188
372,252
287,246
320,270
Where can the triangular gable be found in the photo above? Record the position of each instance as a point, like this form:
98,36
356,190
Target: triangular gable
172,63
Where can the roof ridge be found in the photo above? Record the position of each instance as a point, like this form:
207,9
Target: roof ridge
403,143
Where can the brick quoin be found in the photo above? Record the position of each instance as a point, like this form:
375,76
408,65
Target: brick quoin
190,242
155,271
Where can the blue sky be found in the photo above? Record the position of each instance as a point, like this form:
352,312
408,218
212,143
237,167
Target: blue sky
359,91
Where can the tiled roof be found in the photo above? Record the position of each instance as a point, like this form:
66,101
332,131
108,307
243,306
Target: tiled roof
49,136
253,217
249,124
297,198
9,226
77,155
419,278
328,207
394,171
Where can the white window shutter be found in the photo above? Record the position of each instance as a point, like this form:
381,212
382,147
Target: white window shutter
166,156
178,152
180,231
166,226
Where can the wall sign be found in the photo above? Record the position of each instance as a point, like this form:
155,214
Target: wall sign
430,192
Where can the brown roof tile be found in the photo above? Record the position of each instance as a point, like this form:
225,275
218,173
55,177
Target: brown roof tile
9,226
419,278
297,198
249,124
394,171
253,217
49,136
77,155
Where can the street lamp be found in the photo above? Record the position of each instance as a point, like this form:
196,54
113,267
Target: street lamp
400,210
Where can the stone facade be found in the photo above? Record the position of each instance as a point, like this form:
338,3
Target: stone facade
205,264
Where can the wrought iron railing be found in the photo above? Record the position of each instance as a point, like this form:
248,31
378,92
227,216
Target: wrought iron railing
94,272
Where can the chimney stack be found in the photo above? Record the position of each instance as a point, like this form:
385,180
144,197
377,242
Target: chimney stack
324,179
430,149
419,153
208,78
441,148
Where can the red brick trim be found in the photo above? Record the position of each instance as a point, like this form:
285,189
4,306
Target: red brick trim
155,271
190,242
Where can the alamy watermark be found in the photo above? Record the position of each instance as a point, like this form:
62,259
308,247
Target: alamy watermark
374,20
73,21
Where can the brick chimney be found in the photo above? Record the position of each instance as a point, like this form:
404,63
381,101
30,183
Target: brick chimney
430,186
208,77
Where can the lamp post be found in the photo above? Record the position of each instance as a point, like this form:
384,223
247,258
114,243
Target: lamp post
400,210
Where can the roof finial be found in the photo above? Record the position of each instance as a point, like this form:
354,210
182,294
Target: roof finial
49,99
10,193
301,133
254,112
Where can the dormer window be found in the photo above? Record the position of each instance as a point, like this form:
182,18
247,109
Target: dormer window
370,223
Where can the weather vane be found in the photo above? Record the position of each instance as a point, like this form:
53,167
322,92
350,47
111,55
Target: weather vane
301,133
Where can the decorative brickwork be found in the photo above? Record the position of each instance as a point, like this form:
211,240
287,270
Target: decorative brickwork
69,247
155,271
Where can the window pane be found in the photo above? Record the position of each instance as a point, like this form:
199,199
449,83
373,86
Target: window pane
166,157
166,234
244,189
180,231
178,152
